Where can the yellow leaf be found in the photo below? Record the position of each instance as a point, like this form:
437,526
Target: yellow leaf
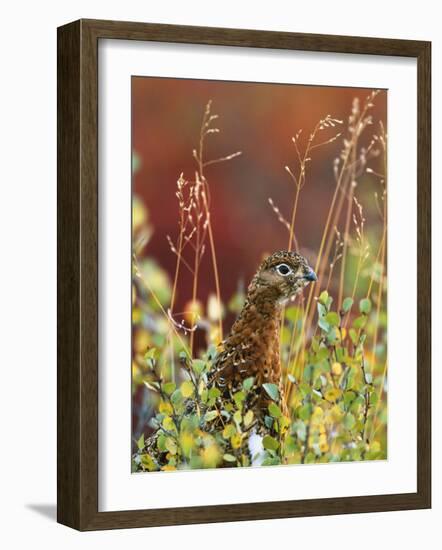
141,339
186,442
187,388
333,394
284,424
228,431
168,468
248,418
168,424
336,413
136,317
237,417
211,456
215,335
165,408
148,463
336,369
235,441
171,446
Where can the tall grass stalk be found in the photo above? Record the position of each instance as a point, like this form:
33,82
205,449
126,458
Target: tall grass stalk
205,130
343,169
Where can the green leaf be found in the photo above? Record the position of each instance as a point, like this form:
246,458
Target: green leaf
333,394
340,354
322,354
248,418
187,388
150,354
239,398
270,442
315,343
323,298
147,462
198,366
293,313
275,411
195,462
290,444
248,383
229,430
168,424
332,318
365,306
140,443
349,421
353,336
305,411
171,445
176,397
272,390
161,442
271,460
190,423
333,335
374,398
211,352
349,397
214,393
322,310
169,387
357,404
268,421
210,400
204,395
210,415
229,458
322,323
359,322
304,388
237,417
346,304
300,429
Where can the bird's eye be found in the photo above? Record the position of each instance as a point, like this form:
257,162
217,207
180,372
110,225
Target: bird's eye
283,269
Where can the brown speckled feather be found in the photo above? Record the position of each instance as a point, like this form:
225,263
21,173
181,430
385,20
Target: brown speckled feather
252,347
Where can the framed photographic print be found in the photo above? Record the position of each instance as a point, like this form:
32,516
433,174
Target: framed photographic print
243,275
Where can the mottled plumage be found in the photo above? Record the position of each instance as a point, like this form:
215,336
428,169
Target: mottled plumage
252,347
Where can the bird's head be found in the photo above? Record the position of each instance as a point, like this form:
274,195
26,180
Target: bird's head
283,275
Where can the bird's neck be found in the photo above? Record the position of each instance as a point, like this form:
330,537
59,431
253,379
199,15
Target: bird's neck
260,319
265,303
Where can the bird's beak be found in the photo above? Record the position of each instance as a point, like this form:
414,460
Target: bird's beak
311,276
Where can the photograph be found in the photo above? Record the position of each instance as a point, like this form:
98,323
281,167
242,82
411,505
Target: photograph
218,251
259,274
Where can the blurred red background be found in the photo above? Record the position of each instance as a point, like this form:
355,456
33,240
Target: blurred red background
259,120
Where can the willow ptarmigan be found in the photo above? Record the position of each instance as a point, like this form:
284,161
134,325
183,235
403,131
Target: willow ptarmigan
252,347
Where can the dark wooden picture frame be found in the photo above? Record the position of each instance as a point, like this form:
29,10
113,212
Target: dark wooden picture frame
77,225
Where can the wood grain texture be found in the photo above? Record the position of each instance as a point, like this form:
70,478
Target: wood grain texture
68,275
77,225
424,274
